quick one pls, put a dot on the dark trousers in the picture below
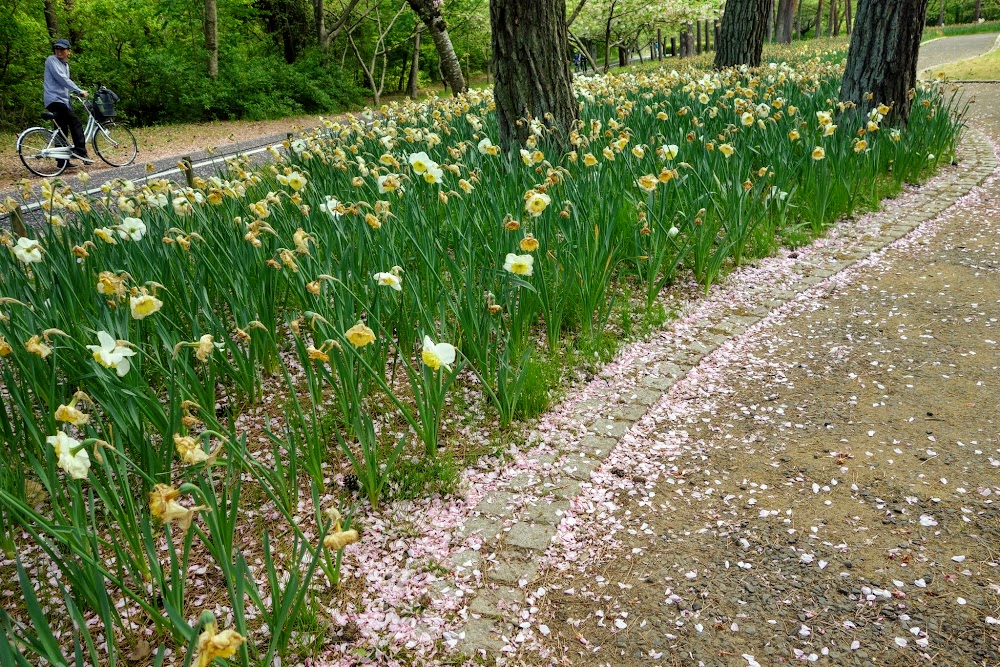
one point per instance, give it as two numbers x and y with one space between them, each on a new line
65 118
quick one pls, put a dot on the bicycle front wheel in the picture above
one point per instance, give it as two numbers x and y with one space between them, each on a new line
116 145
33 147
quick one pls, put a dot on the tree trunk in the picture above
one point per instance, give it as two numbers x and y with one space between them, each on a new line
530 69
429 12
697 47
848 10
799 19
941 15
833 29
882 58
787 19
741 41
212 37
979 10
819 19
770 25
411 85
51 19
659 44
779 21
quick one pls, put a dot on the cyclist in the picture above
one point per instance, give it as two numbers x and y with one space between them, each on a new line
57 87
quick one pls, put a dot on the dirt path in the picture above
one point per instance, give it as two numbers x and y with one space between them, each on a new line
949 49
822 488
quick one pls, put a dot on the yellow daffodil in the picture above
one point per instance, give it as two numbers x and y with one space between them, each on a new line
419 162
521 265
72 457
436 355
828 130
670 151
860 146
5 347
794 135
608 153
589 159
191 451
647 182
360 335
747 119
726 150
301 239
818 153
338 540
71 414
639 152
213 644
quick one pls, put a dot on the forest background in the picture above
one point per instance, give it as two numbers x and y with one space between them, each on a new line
276 58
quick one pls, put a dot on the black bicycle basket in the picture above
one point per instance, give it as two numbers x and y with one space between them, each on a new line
104 103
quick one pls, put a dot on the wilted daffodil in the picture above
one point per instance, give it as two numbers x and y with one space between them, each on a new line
112 353
191 452
521 265
213 644
392 278
436 355
28 250
71 414
359 335
5 347
337 538
36 346
330 206
163 505
72 457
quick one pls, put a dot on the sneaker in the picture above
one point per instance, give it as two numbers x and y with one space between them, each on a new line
82 157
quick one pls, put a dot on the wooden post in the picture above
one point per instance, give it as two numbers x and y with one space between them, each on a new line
17 223
188 170
697 47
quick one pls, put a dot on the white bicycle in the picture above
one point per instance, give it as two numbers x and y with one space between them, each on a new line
47 152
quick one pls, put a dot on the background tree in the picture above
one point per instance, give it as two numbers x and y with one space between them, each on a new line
741 38
212 37
531 68
882 58
429 12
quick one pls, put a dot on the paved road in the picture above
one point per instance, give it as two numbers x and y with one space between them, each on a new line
949 49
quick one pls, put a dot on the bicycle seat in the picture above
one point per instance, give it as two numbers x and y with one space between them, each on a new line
48 115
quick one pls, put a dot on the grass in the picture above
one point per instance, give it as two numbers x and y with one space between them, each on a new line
982 68
963 29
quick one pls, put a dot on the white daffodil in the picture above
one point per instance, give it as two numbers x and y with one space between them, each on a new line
433 174
436 355
389 280
144 305
72 457
330 207
111 354
420 162
521 265
28 250
132 228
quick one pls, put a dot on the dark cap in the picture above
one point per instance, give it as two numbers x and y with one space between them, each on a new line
61 44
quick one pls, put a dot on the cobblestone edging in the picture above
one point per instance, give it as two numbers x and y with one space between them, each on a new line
515 535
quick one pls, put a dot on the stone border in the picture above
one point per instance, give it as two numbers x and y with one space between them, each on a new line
516 534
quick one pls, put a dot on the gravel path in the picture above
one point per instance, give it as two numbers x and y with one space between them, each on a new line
822 488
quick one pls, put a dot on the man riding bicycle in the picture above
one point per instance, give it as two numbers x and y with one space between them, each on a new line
57 87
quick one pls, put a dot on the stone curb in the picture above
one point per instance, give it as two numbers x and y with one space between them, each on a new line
516 535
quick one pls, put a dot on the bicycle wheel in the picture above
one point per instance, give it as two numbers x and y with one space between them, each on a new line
115 144
31 147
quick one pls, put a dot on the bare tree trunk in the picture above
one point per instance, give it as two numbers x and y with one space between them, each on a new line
742 38
411 85
51 19
429 12
787 21
819 19
799 19
697 47
212 37
832 28
530 68
941 15
848 10
882 59
770 26
659 44
979 10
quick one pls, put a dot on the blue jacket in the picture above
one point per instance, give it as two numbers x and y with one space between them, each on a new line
57 83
